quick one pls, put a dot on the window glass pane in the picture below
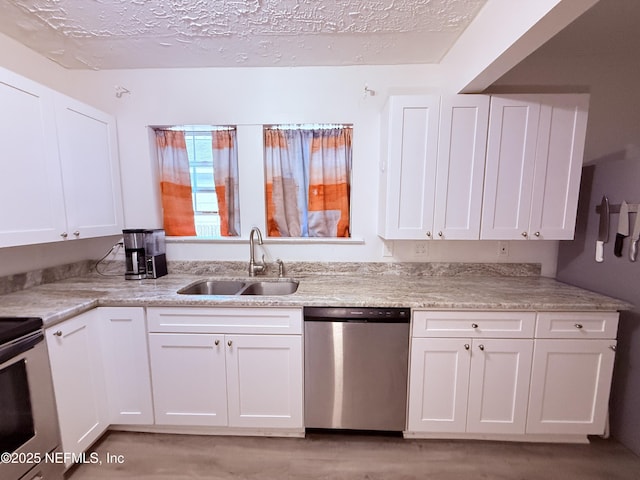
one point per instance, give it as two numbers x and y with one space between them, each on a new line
206 202
202 177
202 148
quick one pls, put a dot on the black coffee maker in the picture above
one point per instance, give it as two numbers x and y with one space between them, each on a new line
135 254
145 253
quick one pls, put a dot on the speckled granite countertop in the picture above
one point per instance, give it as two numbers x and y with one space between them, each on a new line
63 299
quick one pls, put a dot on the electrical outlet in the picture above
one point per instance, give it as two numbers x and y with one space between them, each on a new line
419 249
503 249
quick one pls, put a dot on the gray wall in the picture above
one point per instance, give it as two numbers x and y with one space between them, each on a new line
619 180
602 59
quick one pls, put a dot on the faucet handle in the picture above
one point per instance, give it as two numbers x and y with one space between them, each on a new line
280 267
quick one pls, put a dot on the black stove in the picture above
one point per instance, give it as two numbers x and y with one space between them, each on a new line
16 327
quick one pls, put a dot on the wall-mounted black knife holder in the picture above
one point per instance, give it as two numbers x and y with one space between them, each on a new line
615 208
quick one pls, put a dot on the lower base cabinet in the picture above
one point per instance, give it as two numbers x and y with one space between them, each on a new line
189 379
123 339
469 385
549 373
226 379
78 381
570 384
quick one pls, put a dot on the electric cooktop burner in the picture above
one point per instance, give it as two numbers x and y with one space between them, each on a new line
15 327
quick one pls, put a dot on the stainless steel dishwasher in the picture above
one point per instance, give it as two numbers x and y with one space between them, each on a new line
356 367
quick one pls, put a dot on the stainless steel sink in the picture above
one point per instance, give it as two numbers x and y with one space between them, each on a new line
239 287
213 287
270 288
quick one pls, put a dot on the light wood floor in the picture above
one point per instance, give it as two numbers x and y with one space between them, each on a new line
327 456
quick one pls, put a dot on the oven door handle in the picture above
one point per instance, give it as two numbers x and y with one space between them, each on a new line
20 345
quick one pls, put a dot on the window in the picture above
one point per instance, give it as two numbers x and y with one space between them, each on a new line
308 180
203 187
199 180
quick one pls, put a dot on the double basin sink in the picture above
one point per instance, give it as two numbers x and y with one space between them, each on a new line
240 287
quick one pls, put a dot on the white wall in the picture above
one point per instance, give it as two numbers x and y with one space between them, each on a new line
250 97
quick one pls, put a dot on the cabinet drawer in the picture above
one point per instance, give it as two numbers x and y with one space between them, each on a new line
577 325
473 324
225 320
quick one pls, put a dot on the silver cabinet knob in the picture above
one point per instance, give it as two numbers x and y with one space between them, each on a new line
578 325
216 343
428 234
613 347
525 234
229 343
481 347
474 325
467 346
58 333
537 234
440 234
64 234
76 233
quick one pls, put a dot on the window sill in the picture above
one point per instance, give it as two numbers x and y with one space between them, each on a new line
270 240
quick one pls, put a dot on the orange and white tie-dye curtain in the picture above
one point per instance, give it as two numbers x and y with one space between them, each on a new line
225 173
175 184
308 182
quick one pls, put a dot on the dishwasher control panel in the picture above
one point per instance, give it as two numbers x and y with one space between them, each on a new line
362 314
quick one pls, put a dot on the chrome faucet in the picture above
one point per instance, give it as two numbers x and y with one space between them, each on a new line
255 267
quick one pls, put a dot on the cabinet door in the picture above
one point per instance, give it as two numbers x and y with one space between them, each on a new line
264 381
558 166
30 183
126 365
511 151
78 381
90 169
460 166
570 384
188 378
499 386
438 385
408 174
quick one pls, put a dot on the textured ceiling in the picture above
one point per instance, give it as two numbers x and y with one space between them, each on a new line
107 34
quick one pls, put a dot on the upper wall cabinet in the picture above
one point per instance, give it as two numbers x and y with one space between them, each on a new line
31 182
432 167
60 174
534 161
90 169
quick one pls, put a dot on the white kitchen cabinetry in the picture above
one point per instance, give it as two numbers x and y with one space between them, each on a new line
31 182
189 379
247 362
432 167
533 166
61 172
572 370
90 169
78 380
466 384
504 375
499 385
264 381
123 338
408 167
460 169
